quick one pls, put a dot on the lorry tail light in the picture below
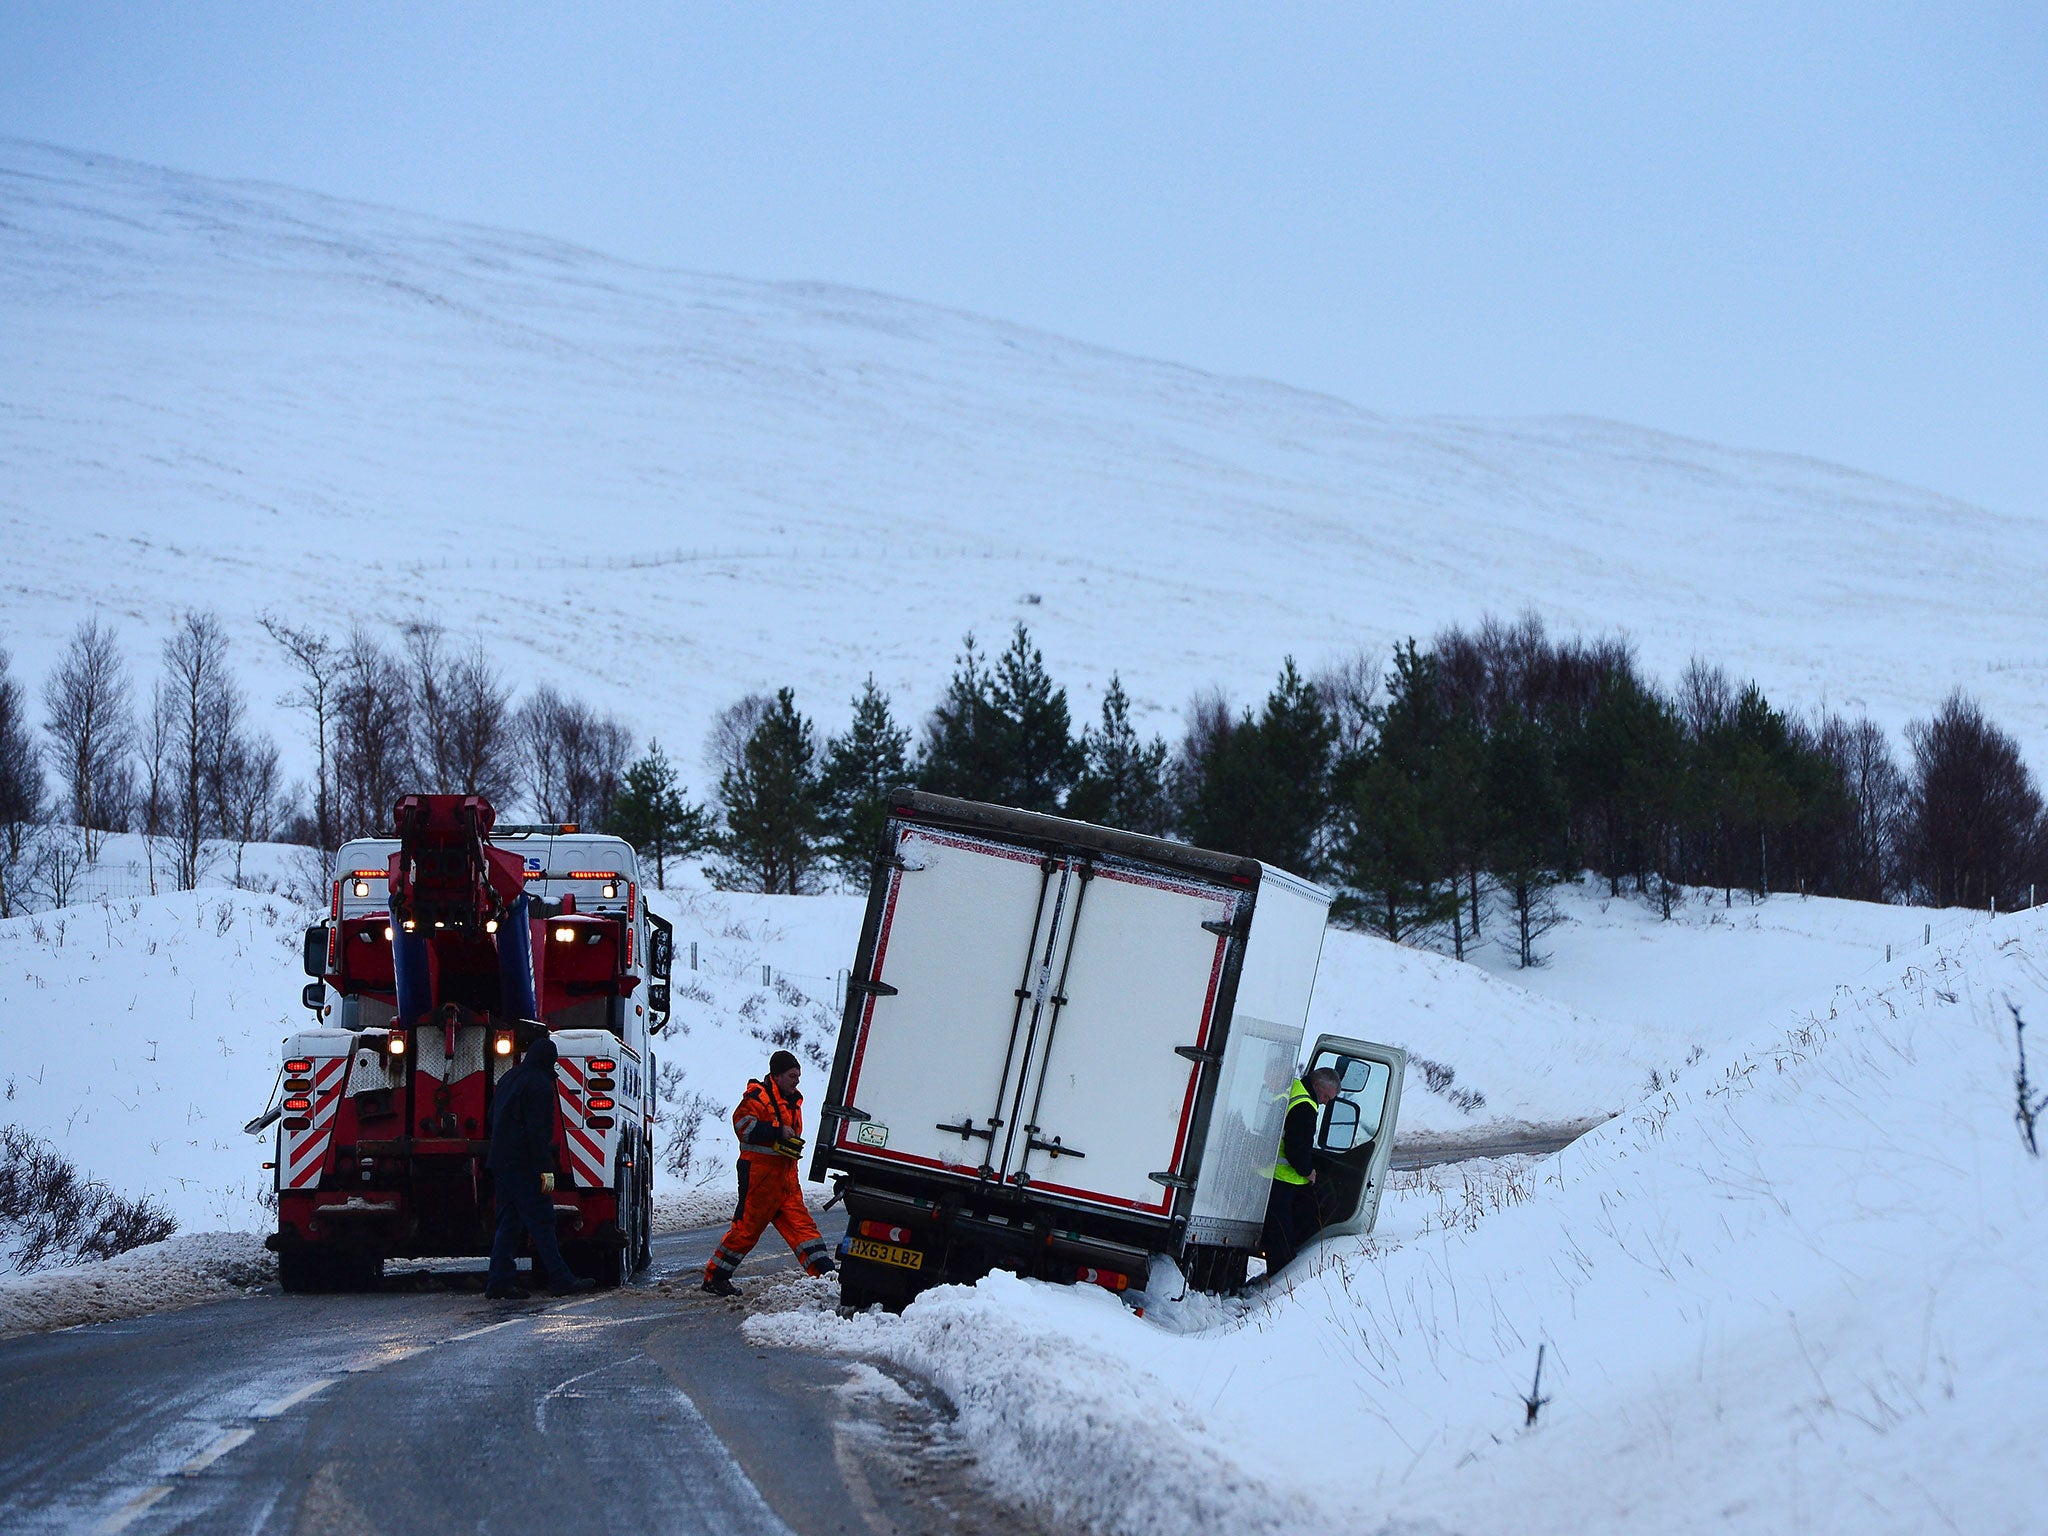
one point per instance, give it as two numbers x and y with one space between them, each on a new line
490 925
565 935
395 1043
882 1232
602 1064
298 1066
387 933
299 1124
600 1101
298 1085
1108 1279
501 1043
298 1106
599 1122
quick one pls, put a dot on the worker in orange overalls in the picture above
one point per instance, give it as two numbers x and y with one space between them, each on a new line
770 1122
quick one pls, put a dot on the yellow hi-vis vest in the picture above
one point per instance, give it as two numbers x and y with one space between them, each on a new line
1297 1093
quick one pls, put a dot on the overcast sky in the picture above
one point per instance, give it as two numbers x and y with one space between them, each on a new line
1814 229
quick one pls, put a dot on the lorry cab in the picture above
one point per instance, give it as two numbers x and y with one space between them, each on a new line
1354 1138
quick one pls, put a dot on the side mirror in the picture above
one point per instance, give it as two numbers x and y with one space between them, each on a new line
315 995
1340 1126
315 958
661 953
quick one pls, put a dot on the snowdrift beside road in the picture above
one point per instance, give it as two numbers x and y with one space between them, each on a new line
178 1272
1793 1290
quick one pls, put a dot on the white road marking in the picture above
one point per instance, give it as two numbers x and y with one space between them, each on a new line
126 1515
215 1451
362 1367
477 1333
293 1398
561 1389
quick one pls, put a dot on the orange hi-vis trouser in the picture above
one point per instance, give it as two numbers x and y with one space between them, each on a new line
770 1195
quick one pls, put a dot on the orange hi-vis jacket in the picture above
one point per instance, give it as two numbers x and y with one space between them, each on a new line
769 1194
767 1115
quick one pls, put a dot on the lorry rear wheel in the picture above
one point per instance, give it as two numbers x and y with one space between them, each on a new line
860 1288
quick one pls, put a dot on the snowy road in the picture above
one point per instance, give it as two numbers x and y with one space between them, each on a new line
435 1410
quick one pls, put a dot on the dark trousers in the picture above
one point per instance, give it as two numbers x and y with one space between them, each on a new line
1292 1218
523 1206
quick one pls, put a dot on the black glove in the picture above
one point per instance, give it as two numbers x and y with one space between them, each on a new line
790 1146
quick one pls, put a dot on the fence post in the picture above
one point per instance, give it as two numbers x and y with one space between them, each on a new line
1887 954
693 954
1927 934
764 976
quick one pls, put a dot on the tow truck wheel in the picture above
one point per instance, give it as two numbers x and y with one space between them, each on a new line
303 1271
643 1254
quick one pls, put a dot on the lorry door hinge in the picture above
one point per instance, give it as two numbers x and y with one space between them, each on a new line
1171 1180
1222 927
1197 1055
872 988
967 1128
844 1112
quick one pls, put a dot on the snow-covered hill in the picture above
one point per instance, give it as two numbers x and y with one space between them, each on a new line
664 489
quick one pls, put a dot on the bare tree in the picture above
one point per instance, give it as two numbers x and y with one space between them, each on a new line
92 723
1349 688
319 663
371 741
480 730
575 759
22 806
202 708
1973 817
1875 792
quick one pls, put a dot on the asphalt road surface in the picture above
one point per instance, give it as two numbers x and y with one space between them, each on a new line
426 1408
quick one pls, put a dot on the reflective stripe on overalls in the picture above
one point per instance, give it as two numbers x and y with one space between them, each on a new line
1297 1093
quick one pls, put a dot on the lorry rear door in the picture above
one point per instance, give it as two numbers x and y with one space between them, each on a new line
964 938
1355 1140
1107 1093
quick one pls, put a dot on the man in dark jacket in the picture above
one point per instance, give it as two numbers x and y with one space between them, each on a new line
1292 1214
522 1151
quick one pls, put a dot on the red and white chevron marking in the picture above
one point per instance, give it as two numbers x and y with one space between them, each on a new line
587 1157
306 1150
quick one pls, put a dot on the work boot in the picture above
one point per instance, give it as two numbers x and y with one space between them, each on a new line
507 1293
574 1287
719 1285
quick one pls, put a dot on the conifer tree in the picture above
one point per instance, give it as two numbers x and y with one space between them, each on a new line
1123 779
1403 807
652 813
861 767
773 809
963 743
1261 787
1001 732
1527 816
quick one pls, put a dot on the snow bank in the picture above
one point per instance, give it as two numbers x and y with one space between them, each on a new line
178 1272
1793 1290
139 1035
1059 1423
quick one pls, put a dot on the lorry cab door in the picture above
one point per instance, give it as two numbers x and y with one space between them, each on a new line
1355 1139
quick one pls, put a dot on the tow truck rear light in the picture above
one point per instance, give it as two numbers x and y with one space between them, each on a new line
298 1085
565 935
602 1064
601 1085
599 1122
882 1232
600 1101
395 1043
298 1065
1108 1279
301 1123
297 1106
501 1043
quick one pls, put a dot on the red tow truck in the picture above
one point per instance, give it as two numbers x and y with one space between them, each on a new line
449 949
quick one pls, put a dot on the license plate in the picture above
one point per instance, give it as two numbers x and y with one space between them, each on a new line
885 1253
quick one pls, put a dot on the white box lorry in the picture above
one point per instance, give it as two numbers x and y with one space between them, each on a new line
1067 1049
